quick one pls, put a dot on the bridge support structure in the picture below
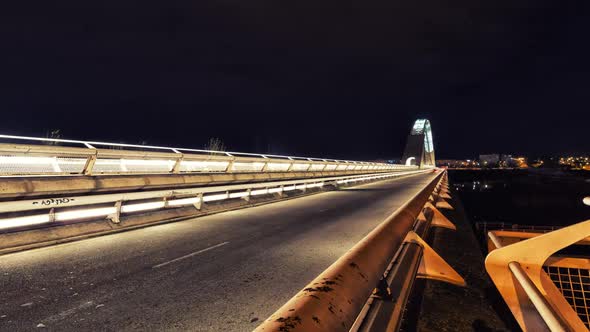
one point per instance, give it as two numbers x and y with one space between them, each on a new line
419 149
543 290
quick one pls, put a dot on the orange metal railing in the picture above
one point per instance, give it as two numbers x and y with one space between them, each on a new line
545 290
380 267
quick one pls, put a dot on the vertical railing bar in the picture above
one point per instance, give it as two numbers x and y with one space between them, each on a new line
538 300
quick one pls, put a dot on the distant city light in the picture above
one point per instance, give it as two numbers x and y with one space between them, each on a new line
506 161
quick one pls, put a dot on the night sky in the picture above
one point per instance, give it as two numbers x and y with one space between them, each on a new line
325 78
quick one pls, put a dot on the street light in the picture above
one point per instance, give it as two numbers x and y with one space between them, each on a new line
587 200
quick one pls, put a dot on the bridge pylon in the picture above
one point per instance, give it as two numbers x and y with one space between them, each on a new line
419 149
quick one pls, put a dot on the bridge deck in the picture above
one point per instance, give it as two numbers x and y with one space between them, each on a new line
222 272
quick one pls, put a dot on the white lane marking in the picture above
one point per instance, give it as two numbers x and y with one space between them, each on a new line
189 255
72 311
64 314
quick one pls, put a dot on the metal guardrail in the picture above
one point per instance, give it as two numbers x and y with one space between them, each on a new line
46 156
485 226
64 209
545 292
483 229
338 296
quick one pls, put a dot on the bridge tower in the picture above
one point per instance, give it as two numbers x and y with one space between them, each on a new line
420 146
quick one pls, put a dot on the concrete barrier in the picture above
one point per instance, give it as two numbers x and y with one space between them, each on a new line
21 187
42 237
333 300
57 231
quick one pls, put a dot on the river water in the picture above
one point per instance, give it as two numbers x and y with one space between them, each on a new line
524 197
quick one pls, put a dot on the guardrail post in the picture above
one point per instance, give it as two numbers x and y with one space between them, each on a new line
282 192
442 204
199 203
116 217
177 164
229 167
52 215
432 266
90 161
249 196
439 219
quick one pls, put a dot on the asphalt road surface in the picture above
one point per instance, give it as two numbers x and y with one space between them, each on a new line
224 272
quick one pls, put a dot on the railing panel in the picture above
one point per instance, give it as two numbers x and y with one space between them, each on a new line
203 166
51 157
317 167
278 167
299 167
574 284
330 167
132 166
40 165
247 167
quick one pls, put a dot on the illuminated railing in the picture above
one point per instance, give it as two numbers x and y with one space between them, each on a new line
24 214
42 156
545 291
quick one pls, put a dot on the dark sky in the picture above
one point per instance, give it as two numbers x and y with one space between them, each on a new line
308 77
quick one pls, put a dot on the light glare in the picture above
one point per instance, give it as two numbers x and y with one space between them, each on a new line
211 198
23 221
184 201
86 213
142 207
238 195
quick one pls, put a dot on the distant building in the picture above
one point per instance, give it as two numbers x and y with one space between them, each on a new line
576 163
489 160
506 160
522 162
457 163
451 163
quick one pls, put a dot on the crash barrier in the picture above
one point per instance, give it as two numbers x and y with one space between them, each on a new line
367 288
545 288
46 212
45 156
